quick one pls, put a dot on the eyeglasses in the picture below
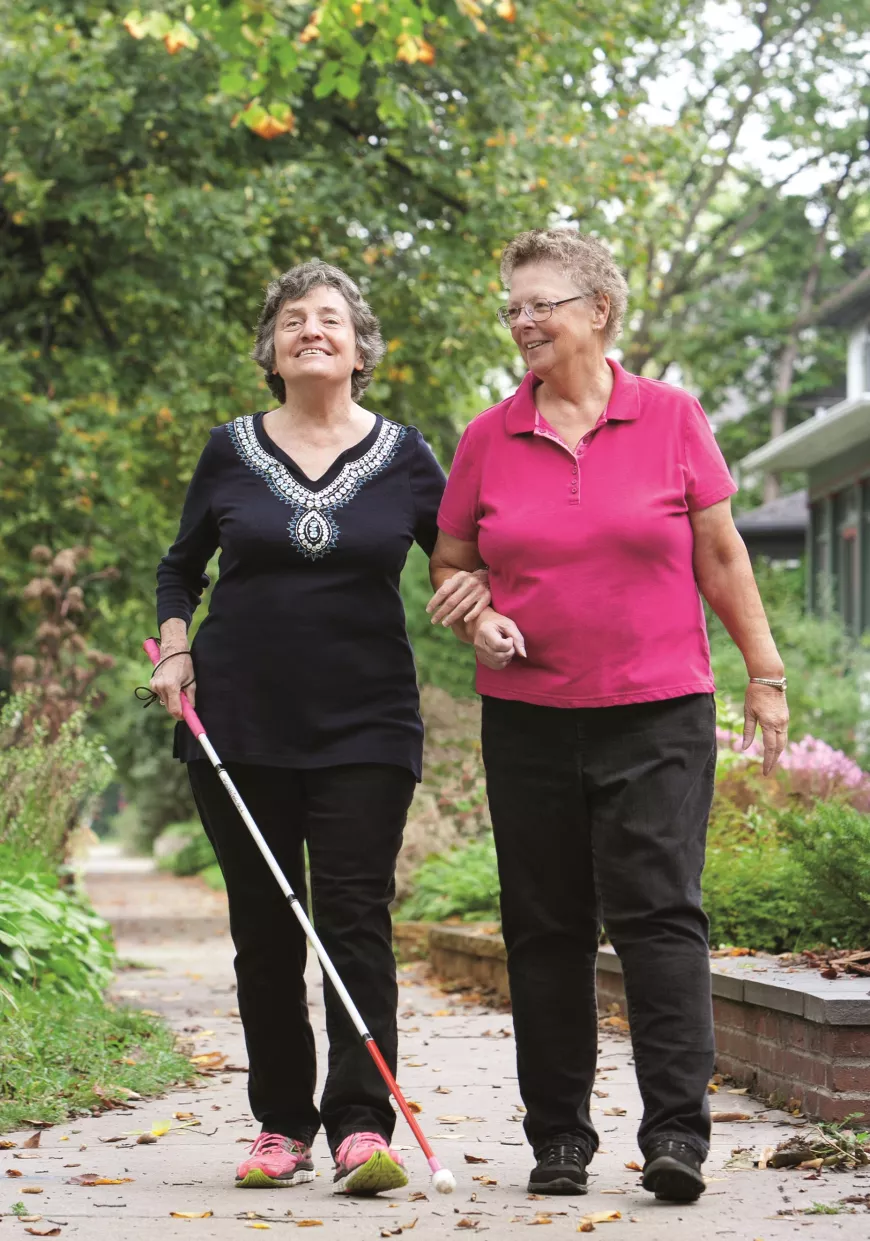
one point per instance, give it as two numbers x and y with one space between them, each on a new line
537 311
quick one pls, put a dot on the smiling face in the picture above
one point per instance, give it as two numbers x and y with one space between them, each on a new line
575 327
315 339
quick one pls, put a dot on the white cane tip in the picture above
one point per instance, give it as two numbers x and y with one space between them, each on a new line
444 1181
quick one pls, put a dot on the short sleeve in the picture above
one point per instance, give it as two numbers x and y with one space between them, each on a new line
707 477
427 488
460 507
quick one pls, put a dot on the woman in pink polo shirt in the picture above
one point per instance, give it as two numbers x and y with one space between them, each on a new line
600 502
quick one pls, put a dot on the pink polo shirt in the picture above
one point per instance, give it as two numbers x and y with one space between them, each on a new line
590 552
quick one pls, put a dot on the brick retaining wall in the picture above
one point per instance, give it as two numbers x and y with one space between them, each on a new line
791 1035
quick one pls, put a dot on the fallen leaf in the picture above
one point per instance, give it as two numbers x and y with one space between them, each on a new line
634 1167
414 1106
452 1120
601 1094
209 1060
30 1219
475 1159
258 1225
726 1116
309 1223
442 1090
161 1127
147 1139
586 1227
184 1116
830 973
602 1217
419 1196
33 1141
43 1232
32 1189
191 1214
14 1172
486 1180
765 1156
91 1178
447 1012
467 1223
741 1090
411 1224
540 1219
6 1145
614 1111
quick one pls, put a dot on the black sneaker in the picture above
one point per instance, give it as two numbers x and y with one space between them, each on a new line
673 1171
561 1168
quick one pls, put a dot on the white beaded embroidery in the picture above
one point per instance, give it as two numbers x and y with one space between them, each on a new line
313 530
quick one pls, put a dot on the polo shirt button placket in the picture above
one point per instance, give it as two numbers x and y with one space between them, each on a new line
574 483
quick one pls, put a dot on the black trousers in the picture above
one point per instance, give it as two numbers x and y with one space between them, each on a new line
601 813
352 818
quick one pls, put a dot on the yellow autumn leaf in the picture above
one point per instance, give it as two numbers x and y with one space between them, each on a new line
160 1127
191 1214
601 1217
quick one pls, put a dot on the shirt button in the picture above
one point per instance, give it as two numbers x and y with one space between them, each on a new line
574 490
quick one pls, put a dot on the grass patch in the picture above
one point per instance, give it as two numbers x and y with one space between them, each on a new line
55 1050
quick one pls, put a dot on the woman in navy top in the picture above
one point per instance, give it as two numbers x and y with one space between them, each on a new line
303 676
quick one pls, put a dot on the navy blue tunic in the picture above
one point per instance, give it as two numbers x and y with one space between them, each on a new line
303 659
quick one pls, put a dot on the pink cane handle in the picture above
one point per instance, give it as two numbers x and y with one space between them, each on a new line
191 719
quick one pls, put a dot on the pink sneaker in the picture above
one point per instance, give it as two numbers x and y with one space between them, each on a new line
275 1161
365 1164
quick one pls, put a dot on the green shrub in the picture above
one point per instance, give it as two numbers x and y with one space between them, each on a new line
193 857
213 877
831 842
462 883
825 664
51 939
46 787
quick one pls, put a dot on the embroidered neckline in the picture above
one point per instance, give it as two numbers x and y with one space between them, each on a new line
313 530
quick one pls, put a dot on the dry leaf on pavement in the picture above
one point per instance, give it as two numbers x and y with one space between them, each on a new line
14 1172
90 1178
309 1223
726 1116
602 1217
419 1196
634 1167
43 1232
414 1106
146 1139
614 1111
475 1159
467 1223
32 1189
33 1140
191 1214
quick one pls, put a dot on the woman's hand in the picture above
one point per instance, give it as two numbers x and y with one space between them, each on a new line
497 640
767 707
170 678
461 597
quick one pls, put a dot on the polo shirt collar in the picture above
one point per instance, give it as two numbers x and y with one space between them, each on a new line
624 404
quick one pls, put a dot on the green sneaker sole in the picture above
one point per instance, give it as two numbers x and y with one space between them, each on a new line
257 1179
380 1173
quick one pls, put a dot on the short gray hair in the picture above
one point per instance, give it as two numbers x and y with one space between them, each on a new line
297 283
587 262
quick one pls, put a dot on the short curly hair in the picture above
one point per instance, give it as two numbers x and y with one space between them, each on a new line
587 262
298 282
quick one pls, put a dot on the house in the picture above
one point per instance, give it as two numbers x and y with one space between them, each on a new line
833 448
778 529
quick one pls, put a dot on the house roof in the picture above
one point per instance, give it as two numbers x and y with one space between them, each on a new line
834 431
787 514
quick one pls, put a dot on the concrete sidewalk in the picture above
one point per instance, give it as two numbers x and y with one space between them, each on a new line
457 1062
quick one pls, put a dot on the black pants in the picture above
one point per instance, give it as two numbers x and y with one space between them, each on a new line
352 818
602 813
